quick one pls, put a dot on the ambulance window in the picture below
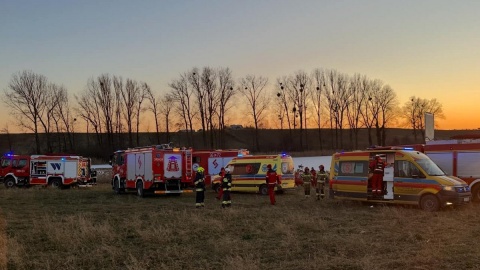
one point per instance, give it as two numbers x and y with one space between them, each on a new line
405 169
250 168
353 168
287 167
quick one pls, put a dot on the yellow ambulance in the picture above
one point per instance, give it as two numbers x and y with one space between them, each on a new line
248 173
410 177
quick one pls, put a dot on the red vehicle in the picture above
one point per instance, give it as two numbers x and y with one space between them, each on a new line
213 160
57 171
159 169
87 175
457 157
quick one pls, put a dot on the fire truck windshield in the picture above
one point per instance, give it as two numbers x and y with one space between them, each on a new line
6 162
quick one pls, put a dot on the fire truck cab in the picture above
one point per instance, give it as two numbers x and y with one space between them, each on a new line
159 169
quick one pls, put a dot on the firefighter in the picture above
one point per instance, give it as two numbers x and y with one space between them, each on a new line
322 178
220 190
200 188
377 168
314 178
307 178
272 180
227 186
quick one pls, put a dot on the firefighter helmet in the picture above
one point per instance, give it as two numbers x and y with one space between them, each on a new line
321 167
200 169
227 169
269 166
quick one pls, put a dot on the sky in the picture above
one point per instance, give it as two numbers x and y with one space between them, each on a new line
423 48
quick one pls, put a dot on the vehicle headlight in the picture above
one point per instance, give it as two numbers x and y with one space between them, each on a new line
449 188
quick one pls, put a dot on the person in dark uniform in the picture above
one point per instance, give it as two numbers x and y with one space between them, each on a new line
226 187
306 177
322 178
200 188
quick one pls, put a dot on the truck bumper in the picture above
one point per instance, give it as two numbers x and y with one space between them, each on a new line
454 198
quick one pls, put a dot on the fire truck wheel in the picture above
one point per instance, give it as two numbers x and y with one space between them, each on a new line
140 191
116 187
9 182
56 183
429 203
263 190
476 193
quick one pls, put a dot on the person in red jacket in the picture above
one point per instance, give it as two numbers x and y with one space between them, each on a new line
220 190
377 168
272 180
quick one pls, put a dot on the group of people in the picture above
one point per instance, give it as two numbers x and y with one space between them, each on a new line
224 192
314 180
310 179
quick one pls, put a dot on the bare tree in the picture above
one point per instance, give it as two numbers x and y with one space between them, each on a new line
89 109
63 120
367 110
298 87
414 113
166 106
210 87
141 95
318 101
27 96
226 92
154 108
195 80
182 94
338 98
358 97
252 88
119 109
387 110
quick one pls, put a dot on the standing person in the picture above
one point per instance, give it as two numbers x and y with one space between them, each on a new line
272 180
314 178
220 190
200 188
226 186
377 168
322 178
306 177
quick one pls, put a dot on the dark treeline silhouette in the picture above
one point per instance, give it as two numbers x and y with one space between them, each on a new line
271 140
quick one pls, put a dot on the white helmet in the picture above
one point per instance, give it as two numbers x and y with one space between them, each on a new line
227 169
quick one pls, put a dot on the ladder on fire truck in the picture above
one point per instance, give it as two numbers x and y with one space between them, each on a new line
188 163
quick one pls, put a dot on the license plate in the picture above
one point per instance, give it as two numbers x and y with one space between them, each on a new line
466 199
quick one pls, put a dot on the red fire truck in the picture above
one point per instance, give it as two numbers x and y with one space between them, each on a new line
213 160
43 170
159 169
457 157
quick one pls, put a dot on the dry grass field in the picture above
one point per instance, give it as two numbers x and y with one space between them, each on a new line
91 228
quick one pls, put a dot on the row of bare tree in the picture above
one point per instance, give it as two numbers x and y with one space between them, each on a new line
207 99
